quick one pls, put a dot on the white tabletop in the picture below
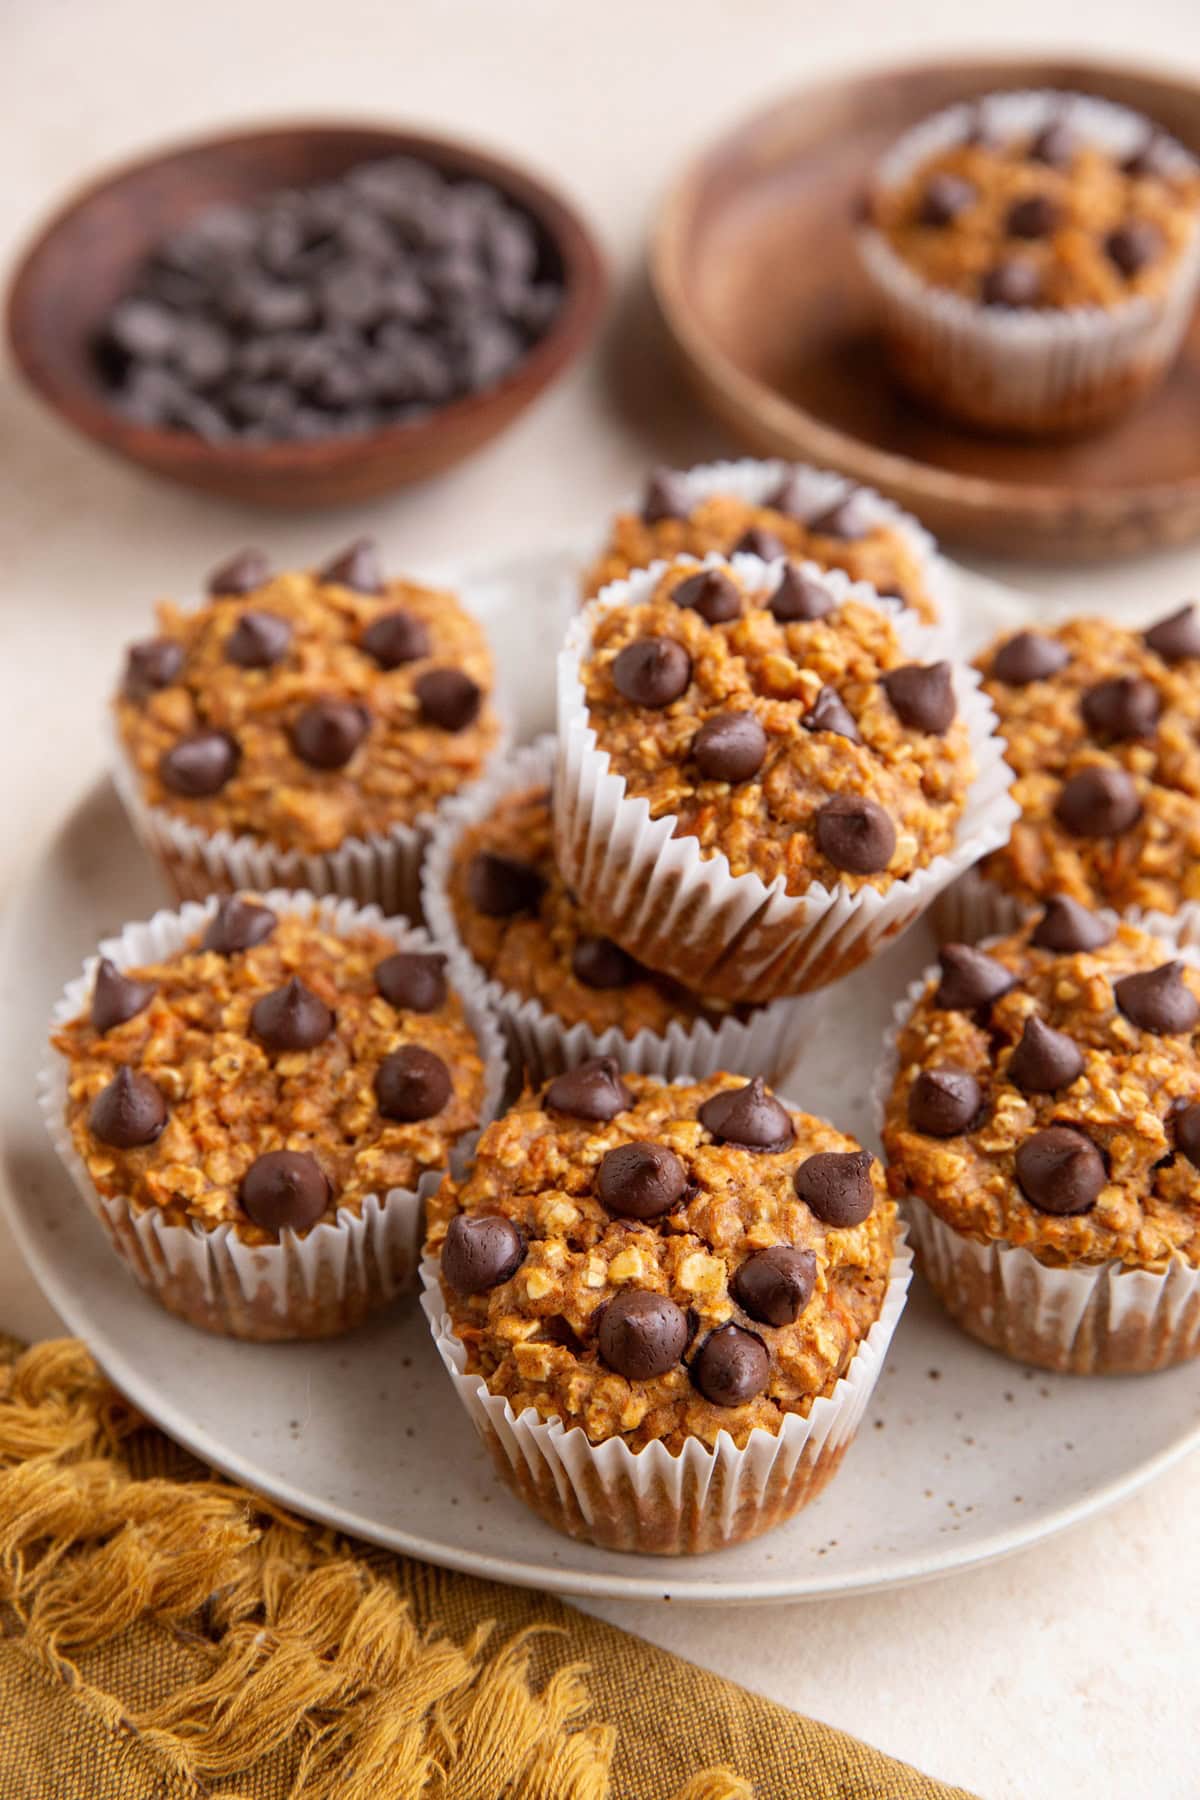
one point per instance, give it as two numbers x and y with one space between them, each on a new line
1068 1669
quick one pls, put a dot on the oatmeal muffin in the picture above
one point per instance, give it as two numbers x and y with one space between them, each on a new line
303 727
1056 235
668 1269
255 1094
775 509
1042 1124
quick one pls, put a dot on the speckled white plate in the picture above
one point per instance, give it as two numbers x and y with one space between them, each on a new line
964 1457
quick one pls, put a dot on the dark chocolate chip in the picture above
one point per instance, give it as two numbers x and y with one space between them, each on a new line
749 1117
594 1090
1134 246
731 1366
327 733
799 598
258 640
357 567
1149 158
855 834
1055 145
1158 1000
641 1181
448 698
761 543
395 638
793 496
291 1017
1060 1171
846 518
237 925
829 713
945 197
1034 216
1186 1123
970 979
1029 656
730 747
642 1334
199 766
599 963
774 1286
500 886
652 671
1098 802
248 570
922 695
1045 1060
117 997
835 1185
1066 926
1177 637
666 496
1128 706
411 1084
945 1102
712 593
151 665
1012 283
481 1251
129 1112
412 980
284 1190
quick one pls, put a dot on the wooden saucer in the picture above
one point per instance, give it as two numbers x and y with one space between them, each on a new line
754 266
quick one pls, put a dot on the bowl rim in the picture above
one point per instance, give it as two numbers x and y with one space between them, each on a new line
83 404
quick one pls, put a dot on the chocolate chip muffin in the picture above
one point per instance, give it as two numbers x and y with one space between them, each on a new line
271 1089
308 722
663 1267
1043 1124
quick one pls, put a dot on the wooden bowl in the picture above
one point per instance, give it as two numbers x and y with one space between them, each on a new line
754 266
84 258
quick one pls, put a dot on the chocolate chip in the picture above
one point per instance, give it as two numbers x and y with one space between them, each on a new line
411 1084
761 543
922 695
642 1334
1029 656
413 981
150 665
248 570
828 713
945 197
855 834
237 925
1149 158
327 733
594 1090
1045 1060
199 766
357 567
652 671
846 518
1187 1132
1034 216
666 496
774 1286
1060 1171
730 747
1177 637
395 638
711 593
1098 802
129 1112
284 1190
1128 706
1013 283
1066 926
599 963
448 698
117 997
836 1187
291 1017
641 1181
749 1117
500 886
1134 246
793 496
970 979
480 1252
1055 145
944 1102
258 640
1158 1000
799 598
731 1366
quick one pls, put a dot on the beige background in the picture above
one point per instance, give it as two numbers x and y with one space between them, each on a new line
1071 1669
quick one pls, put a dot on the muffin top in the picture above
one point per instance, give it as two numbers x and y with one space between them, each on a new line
849 534
784 729
307 708
1043 219
657 1262
269 1034
1047 1093
1101 725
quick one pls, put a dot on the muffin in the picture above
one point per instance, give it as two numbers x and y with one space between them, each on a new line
763 774
492 891
1041 1125
777 509
255 1095
1035 257
1101 724
664 1306
301 729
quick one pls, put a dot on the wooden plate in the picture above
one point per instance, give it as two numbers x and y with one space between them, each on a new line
754 267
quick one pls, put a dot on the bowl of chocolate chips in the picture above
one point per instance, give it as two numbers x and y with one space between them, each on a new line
304 315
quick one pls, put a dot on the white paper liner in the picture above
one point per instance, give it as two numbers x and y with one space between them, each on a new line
1026 368
311 1286
1101 1320
974 907
758 1045
650 1500
685 914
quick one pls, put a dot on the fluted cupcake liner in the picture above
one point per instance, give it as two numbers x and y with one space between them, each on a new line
976 907
756 1045
1098 1319
315 1285
651 1500
1025 368
686 914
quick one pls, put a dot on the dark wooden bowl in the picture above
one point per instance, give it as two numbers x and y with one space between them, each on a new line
754 267
83 259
